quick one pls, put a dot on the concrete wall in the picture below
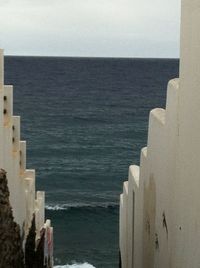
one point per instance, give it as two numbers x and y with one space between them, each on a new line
163 217
25 202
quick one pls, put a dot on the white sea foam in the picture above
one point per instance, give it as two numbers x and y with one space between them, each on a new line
80 205
55 207
76 265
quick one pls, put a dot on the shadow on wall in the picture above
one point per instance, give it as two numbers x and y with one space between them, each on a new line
150 237
11 250
11 253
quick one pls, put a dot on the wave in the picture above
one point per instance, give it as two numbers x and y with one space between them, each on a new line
89 206
76 265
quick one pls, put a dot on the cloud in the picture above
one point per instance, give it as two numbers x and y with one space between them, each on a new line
89 27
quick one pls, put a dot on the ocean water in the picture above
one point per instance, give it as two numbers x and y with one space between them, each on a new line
85 121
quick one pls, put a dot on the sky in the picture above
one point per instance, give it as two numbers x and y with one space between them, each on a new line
94 28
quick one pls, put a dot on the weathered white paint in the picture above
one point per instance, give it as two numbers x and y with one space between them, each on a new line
48 244
1 104
1 70
22 155
165 231
123 226
21 181
39 211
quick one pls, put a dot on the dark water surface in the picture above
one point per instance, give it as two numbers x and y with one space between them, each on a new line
85 121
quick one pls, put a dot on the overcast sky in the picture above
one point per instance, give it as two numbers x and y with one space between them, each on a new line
114 28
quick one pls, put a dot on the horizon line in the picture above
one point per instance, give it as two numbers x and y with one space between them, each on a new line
95 57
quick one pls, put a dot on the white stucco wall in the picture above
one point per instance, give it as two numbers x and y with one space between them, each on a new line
21 181
123 226
166 228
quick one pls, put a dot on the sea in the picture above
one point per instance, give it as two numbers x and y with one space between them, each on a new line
85 121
